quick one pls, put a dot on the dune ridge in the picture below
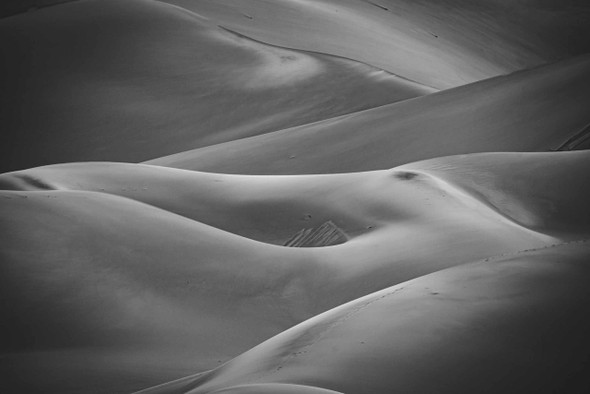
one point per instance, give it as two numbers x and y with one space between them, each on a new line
132 80
441 44
210 281
531 110
273 208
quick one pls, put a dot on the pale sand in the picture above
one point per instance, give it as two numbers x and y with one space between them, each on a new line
142 283
515 324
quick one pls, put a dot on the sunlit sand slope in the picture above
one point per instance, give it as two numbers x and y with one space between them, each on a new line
137 79
513 324
148 293
106 292
273 208
534 110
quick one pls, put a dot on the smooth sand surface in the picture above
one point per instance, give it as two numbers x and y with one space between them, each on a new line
133 80
273 208
437 43
138 280
145 292
514 324
533 110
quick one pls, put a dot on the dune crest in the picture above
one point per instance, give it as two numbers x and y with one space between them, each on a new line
169 275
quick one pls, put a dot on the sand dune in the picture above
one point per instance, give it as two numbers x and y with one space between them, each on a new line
313 215
146 285
132 292
533 110
436 43
274 208
502 180
165 78
132 80
512 325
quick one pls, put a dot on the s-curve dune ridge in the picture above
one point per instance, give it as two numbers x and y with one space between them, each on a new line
115 258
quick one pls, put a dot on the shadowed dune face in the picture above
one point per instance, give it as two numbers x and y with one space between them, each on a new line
135 80
132 80
13 7
437 43
533 110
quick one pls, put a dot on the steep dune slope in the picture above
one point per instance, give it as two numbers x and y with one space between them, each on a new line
533 110
438 43
137 79
512 325
133 289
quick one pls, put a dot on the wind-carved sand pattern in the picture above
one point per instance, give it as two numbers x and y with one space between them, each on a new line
327 234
